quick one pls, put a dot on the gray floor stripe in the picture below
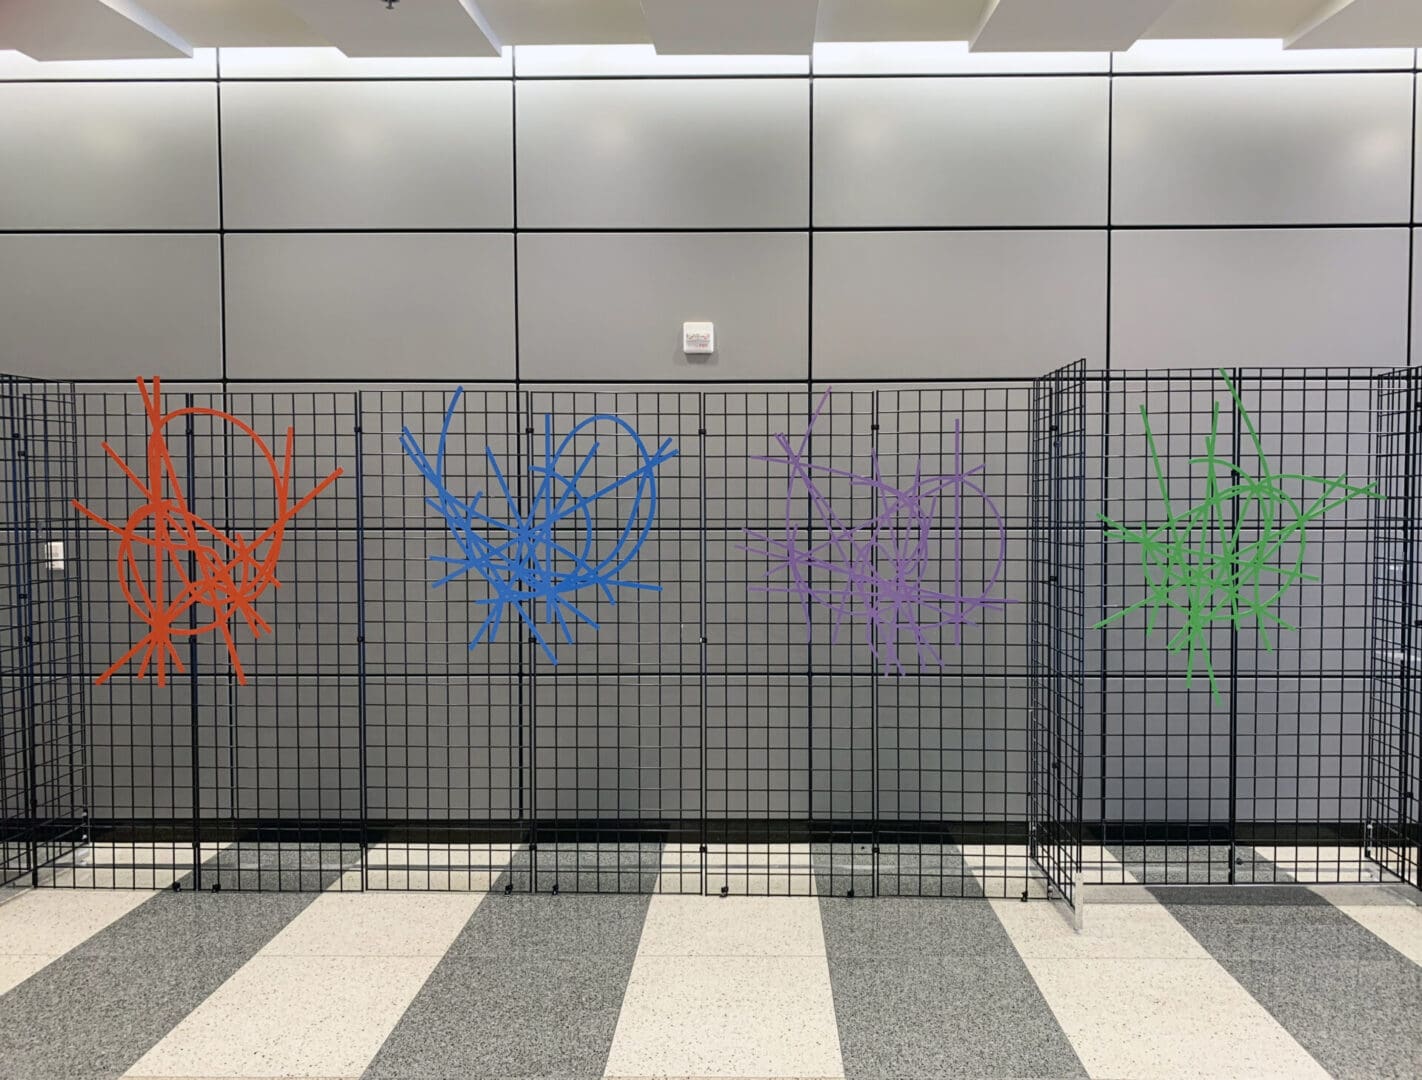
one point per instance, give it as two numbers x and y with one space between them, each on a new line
934 988
99 1008
1349 999
531 987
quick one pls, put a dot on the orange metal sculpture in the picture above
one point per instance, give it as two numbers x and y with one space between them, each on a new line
191 563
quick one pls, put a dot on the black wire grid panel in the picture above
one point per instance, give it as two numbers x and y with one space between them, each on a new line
1248 669
42 749
700 739
1058 592
1394 733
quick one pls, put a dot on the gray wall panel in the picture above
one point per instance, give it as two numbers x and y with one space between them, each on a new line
364 306
108 156
951 304
96 306
612 306
724 153
368 155
924 152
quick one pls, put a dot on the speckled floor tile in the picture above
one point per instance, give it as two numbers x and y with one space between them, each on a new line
888 927
376 924
734 926
505 1016
201 924
283 1016
1389 913
1268 920
551 927
96 1010
530 987
53 921
16 969
925 988
946 1016
1343 993
1163 1019
727 1016
1140 931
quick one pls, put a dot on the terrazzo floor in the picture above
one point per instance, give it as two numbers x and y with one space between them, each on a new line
1163 982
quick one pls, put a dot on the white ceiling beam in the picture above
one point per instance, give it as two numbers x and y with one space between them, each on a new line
87 30
741 27
1064 25
567 22
1359 24
897 20
235 24
405 28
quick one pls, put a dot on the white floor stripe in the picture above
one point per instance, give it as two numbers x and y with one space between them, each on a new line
322 996
737 988
1140 999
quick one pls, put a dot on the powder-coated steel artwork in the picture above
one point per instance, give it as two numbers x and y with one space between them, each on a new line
546 549
880 571
181 574
1231 557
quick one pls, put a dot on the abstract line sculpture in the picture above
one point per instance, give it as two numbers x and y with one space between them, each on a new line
173 563
1232 556
877 571
545 550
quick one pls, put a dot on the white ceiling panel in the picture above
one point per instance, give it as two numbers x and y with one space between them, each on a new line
898 20
1359 24
405 28
1051 25
235 24
746 27
1229 19
566 22
87 30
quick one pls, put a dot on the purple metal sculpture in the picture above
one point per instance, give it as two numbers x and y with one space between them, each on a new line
876 571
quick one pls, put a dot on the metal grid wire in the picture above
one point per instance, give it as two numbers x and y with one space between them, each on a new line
216 780
1394 735
701 739
1259 779
1059 601
42 736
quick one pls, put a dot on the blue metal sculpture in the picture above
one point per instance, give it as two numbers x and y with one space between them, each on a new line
545 550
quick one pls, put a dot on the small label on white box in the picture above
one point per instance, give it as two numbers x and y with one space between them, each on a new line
54 555
698 338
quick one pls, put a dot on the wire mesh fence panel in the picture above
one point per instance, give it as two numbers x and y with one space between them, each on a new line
447 729
1234 526
1057 636
952 721
1394 735
43 789
809 641
613 508
758 649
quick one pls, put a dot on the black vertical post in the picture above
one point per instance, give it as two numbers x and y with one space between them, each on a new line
194 755
24 574
361 696
873 701
1236 442
703 831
